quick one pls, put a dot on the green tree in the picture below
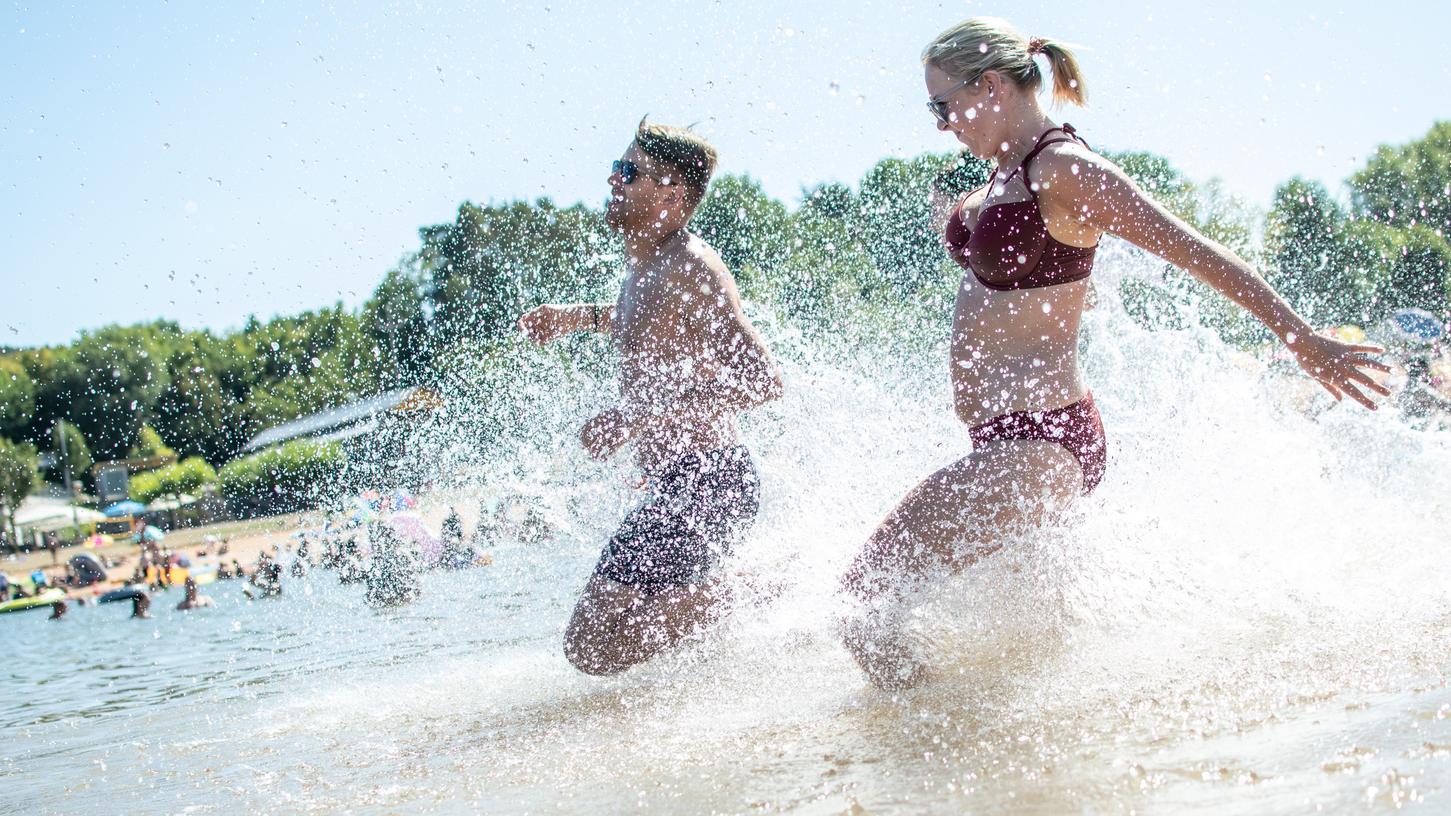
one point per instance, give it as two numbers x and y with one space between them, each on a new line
183 478
832 200
825 273
59 382
893 221
289 477
1403 198
304 364
19 475
77 453
17 397
201 411
396 320
148 445
1397 267
1305 235
480 273
116 377
746 226
1408 185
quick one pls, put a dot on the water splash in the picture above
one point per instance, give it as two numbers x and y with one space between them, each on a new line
1249 612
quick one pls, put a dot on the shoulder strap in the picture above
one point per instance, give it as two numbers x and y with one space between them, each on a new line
1038 145
1071 135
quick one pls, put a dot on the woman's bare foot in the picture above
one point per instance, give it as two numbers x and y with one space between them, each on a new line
883 653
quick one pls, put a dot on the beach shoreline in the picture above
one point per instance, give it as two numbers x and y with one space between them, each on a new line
246 540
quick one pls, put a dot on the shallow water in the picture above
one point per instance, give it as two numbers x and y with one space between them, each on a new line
1249 616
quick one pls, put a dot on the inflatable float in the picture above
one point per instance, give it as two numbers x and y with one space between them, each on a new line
45 598
124 593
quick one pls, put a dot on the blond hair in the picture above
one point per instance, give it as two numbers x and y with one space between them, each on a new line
682 149
973 47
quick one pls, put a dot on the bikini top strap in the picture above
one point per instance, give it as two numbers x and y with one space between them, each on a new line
1071 136
1037 146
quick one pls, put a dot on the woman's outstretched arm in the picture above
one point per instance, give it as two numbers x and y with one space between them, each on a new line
1098 194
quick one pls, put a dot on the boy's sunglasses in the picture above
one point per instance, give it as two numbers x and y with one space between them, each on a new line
628 171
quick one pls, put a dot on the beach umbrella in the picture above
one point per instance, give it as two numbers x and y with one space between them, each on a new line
88 568
1415 325
412 528
153 534
124 508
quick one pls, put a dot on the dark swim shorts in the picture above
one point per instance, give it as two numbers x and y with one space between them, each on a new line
699 503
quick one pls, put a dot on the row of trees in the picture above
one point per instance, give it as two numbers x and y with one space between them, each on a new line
206 394
1387 250
862 257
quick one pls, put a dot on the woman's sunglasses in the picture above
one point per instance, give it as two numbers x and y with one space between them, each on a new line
938 104
628 171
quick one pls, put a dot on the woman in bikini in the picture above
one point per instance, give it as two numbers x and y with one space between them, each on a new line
1026 241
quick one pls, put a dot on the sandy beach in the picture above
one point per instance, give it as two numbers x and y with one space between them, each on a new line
245 541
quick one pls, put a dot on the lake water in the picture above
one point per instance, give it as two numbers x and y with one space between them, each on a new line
1249 616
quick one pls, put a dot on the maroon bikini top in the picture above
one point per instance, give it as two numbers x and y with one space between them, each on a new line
1011 247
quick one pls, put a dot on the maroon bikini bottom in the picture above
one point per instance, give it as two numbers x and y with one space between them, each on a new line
1076 427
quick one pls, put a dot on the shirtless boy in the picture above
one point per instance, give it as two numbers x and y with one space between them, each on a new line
690 363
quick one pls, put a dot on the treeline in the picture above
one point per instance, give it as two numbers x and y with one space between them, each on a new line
868 255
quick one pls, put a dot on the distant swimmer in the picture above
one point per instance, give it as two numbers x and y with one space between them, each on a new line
58 610
192 599
266 580
140 605
1026 241
690 363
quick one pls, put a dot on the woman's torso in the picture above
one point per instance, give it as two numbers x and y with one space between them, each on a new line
1016 349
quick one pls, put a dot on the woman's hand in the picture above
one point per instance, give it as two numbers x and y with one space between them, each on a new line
1339 366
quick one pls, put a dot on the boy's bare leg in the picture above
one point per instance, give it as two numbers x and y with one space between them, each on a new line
616 626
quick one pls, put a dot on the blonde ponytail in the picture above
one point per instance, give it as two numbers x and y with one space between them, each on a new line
1067 76
973 47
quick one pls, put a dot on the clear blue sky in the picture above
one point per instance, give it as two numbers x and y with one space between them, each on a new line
202 162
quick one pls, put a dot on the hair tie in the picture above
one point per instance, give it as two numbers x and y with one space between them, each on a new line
1036 44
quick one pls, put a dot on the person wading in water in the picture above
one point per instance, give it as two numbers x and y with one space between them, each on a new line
1026 241
690 362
